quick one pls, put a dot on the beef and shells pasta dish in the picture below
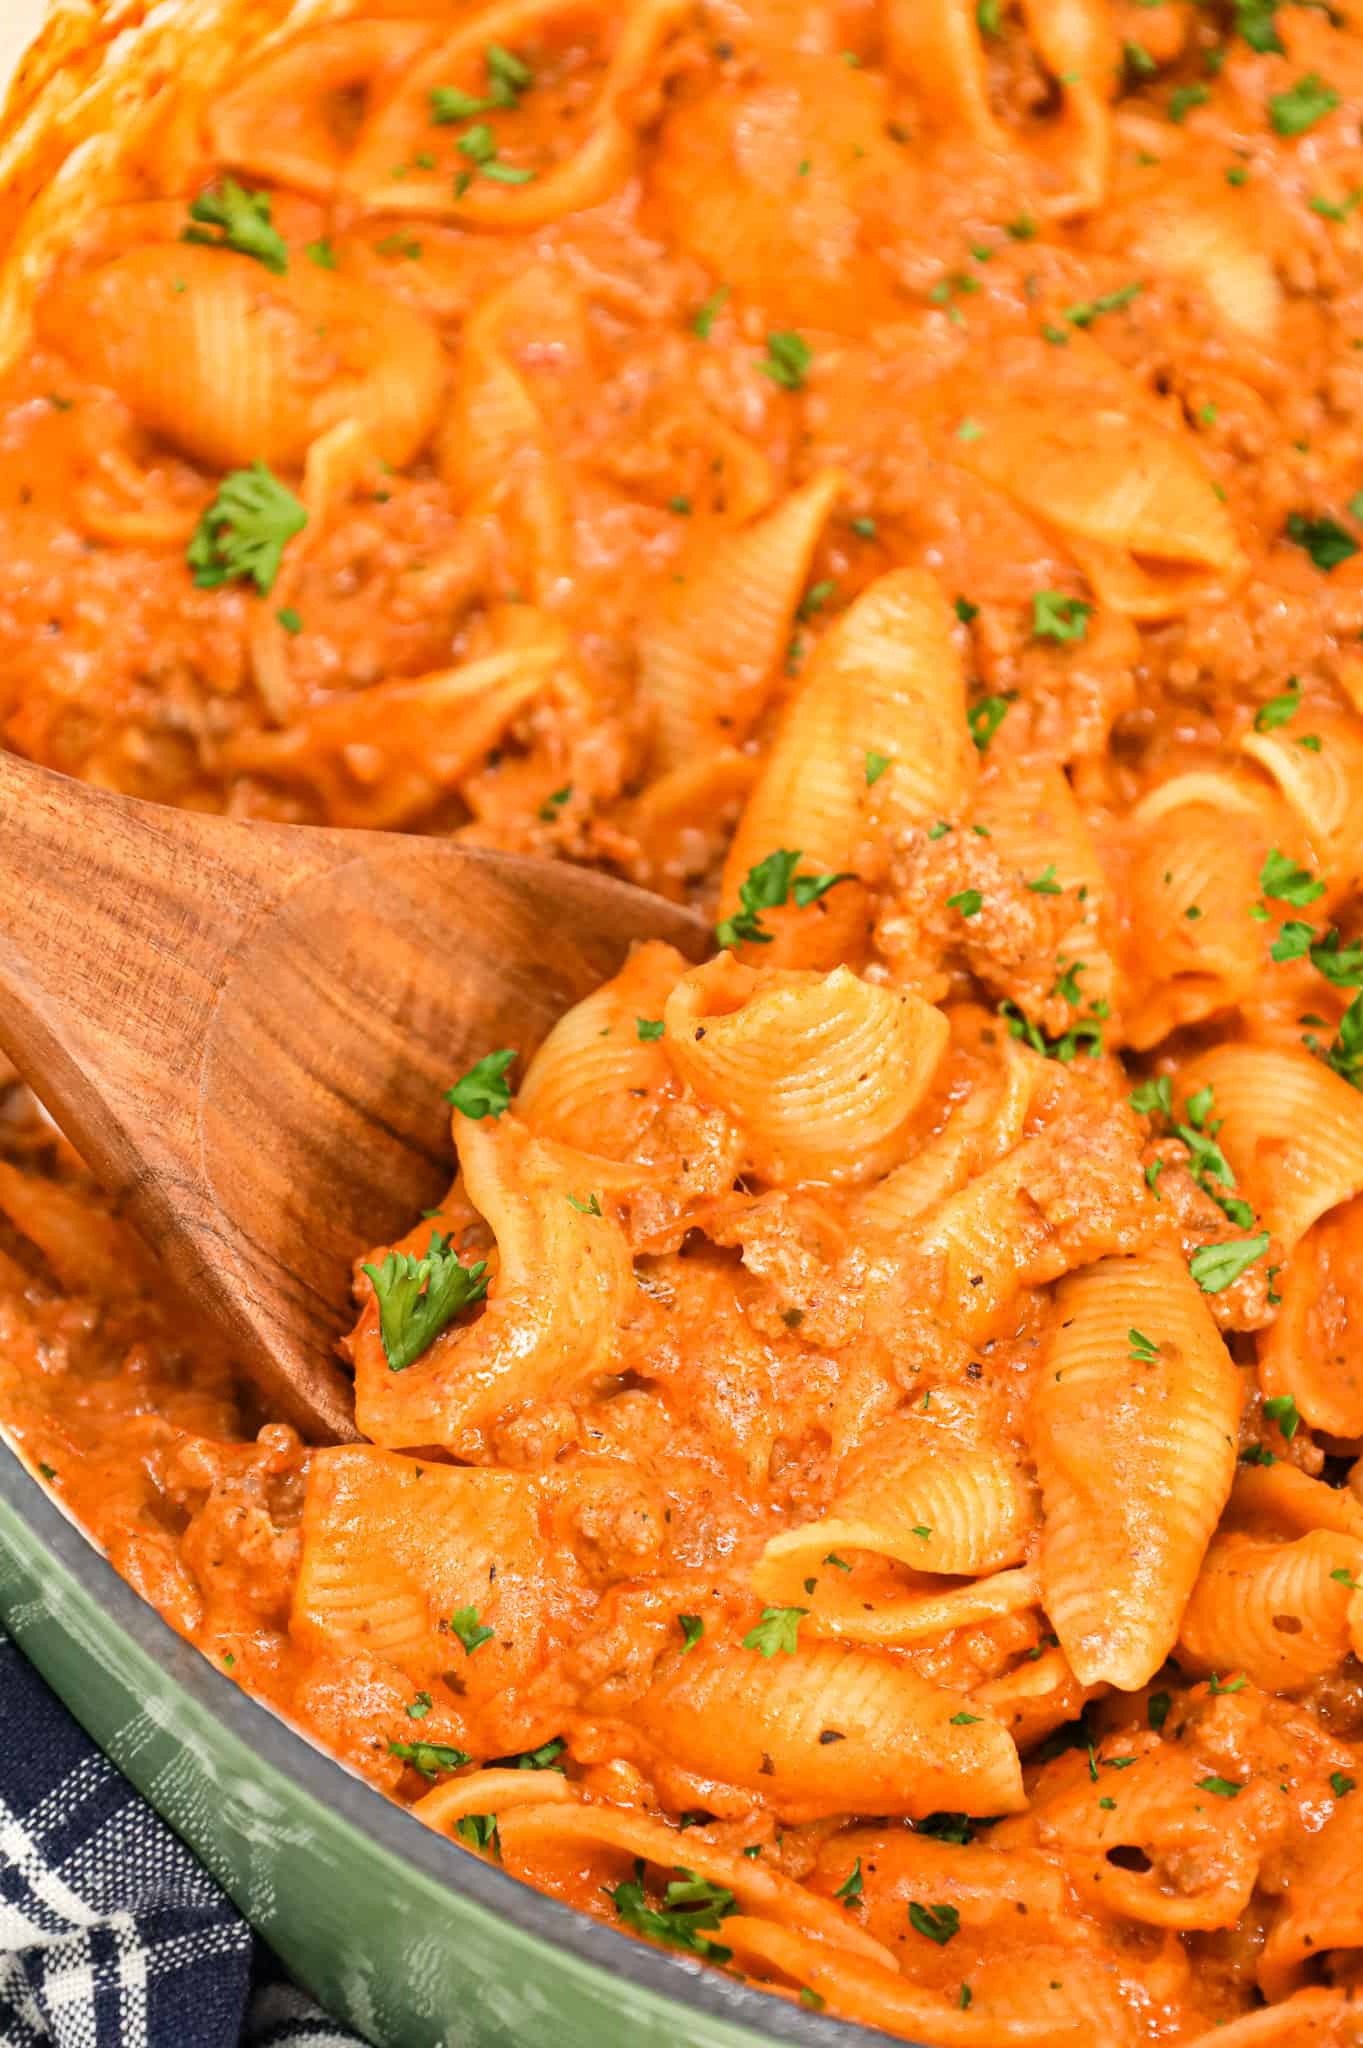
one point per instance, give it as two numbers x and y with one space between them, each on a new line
863 1478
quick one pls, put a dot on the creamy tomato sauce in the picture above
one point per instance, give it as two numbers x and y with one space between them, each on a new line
863 1482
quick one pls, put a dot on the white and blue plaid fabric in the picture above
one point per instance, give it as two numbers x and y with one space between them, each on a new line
111 1934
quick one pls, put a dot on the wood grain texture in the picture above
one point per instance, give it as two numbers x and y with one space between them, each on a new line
246 1031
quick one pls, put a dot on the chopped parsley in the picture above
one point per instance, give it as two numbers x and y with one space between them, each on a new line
417 1297
289 619
1057 617
1254 20
1224 1788
591 1207
648 1028
815 598
1345 1051
968 901
545 1758
985 718
1184 98
1337 209
778 1630
850 1888
787 359
1341 1784
1279 709
1282 1409
1302 105
948 1827
229 217
479 145
1086 311
692 1627
768 885
935 1923
1217 1266
876 764
430 1757
483 1091
507 78
420 1707
1219 1685
1340 963
471 1632
692 1908
479 1830
1143 1349
1324 540
1281 878
1045 883
1157 1709
703 319
243 534
554 803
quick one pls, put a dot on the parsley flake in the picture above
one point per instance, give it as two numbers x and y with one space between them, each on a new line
985 718
430 1757
778 1630
229 217
472 1633
417 1297
1217 1266
1302 105
1057 617
1324 540
1282 879
482 1091
787 359
243 534
692 1907
936 1923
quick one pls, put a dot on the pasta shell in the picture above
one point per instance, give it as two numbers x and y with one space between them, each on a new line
1128 495
594 1081
554 1311
1273 1610
1135 1456
710 652
788 187
289 120
248 366
727 1713
576 159
1322 1910
1312 1351
391 1547
1291 1129
886 681
822 1074
1324 788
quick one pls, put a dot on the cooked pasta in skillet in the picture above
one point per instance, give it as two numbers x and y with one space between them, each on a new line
865 1466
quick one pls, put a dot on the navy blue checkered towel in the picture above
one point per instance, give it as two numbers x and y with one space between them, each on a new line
111 1934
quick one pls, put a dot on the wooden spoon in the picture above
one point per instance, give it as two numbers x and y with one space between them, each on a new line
246 1030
